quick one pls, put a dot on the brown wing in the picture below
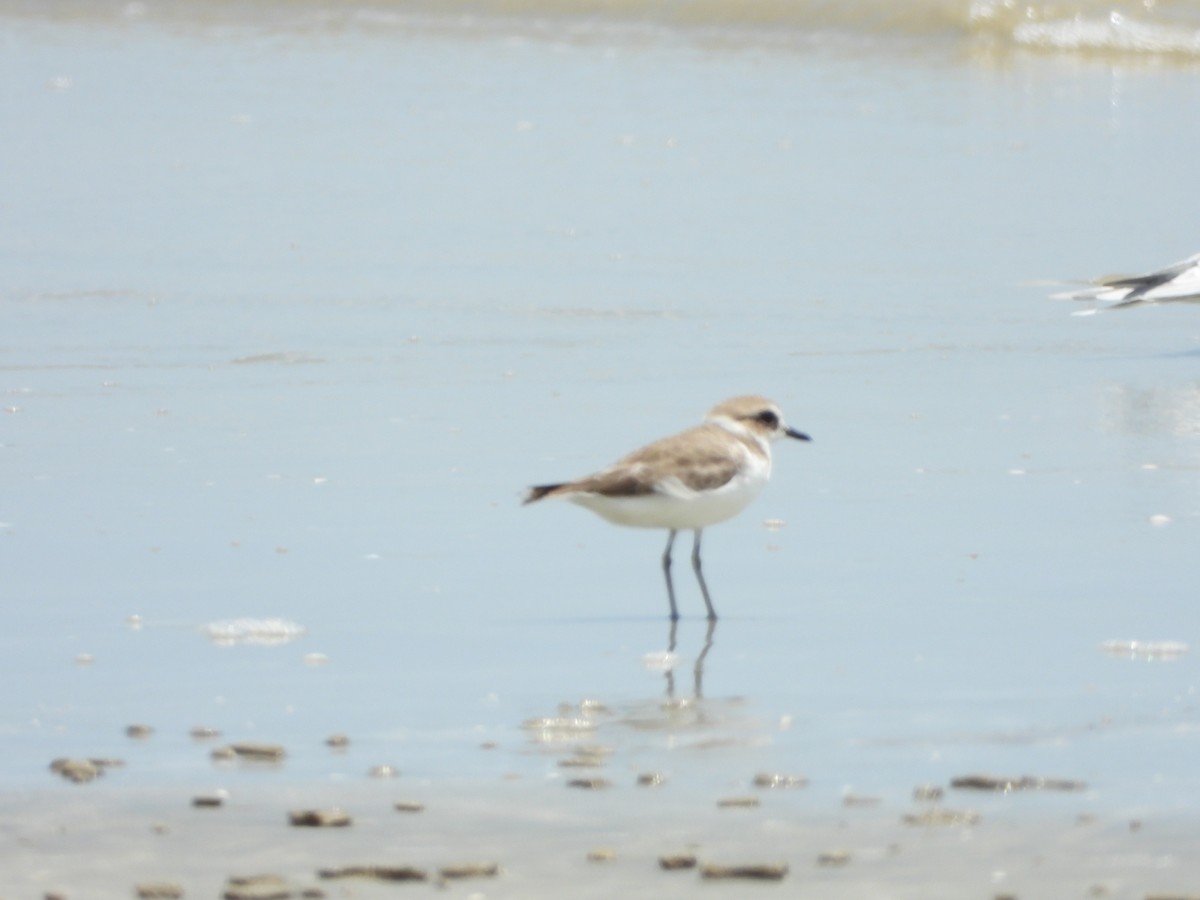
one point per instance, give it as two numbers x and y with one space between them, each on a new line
699 458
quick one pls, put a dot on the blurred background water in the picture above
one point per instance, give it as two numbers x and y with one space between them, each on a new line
298 297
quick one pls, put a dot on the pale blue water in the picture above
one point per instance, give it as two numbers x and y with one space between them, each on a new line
291 319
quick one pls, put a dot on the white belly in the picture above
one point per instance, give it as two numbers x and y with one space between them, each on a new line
675 506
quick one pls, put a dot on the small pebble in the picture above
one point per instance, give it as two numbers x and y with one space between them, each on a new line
738 802
589 784
651 779
601 855
581 762
158 890
677 862
383 771
319 818
337 740
209 801
470 870
407 806
138 732
255 752
1022 783
257 887
76 770
83 770
942 817
382 873
833 858
204 733
756 871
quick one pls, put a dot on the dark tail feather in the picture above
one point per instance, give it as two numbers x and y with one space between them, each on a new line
537 493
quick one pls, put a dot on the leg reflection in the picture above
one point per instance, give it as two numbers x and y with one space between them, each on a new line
697 667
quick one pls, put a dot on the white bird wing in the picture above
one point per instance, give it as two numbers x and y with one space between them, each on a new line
1177 282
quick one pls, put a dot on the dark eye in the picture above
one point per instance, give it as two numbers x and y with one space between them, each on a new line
768 418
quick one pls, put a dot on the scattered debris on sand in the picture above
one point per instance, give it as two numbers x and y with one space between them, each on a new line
927 793
941 816
859 800
777 780
266 632
469 870
158 890
1021 783
83 770
738 802
833 858
1148 650
676 862
320 818
553 729
260 887
754 871
380 873
251 752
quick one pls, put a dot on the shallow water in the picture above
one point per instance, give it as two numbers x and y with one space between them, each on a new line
294 316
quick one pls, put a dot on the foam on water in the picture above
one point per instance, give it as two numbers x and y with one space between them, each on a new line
1120 27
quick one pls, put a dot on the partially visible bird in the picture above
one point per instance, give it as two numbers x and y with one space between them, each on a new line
1178 283
694 479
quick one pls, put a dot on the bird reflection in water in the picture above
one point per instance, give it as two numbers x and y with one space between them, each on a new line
697 667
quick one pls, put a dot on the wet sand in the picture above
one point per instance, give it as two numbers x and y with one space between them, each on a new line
660 797
103 839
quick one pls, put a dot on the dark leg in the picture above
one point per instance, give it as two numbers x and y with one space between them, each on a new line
712 613
666 563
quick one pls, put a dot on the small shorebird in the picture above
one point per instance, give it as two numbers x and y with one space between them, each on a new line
694 479
1175 284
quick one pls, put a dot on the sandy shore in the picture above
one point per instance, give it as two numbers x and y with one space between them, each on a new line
100 840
